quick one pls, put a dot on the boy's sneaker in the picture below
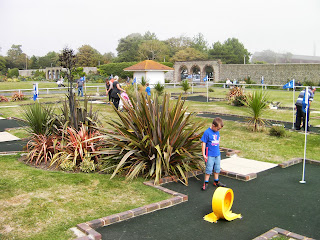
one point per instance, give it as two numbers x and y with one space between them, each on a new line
219 184
205 186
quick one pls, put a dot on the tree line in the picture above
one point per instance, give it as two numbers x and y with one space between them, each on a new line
137 47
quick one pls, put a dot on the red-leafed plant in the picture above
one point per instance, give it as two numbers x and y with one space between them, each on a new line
3 99
78 146
17 96
41 148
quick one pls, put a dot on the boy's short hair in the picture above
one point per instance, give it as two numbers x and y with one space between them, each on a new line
217 122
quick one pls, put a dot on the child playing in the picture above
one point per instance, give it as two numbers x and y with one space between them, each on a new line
211 153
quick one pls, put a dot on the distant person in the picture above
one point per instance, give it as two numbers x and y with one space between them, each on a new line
300 114
262 80
298 83
80 84
108 88
61 82
228 83
58 83
148 90
211 152
111 80
116 90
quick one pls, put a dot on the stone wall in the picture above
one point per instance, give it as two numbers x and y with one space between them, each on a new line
273 73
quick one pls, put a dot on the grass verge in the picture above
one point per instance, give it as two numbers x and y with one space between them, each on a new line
39 204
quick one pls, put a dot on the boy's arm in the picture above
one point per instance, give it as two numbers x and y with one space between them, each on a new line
203 145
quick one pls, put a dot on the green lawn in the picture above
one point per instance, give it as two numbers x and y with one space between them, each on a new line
41 204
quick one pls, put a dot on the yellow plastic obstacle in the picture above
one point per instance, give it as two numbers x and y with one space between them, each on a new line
221 204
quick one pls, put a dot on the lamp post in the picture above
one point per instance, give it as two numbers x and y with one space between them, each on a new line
244 59
26 62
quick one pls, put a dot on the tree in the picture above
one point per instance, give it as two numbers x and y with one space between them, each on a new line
230 52
128 48
177 44
3 64
153 50
87 56
108 58
189 54
16 58
199 43
67 60
34 62
51 59
267 56
150 36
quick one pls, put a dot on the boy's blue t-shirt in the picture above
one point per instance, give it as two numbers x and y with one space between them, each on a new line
212 139
148 90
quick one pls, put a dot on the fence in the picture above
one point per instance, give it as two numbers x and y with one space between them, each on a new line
98 88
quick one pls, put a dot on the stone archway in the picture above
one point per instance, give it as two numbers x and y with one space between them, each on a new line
204 66
53 73
183 70
209 71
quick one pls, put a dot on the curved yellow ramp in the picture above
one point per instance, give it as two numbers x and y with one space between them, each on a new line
222 201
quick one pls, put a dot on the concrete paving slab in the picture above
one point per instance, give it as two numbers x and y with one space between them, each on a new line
9 106
99 102
5 137
245 166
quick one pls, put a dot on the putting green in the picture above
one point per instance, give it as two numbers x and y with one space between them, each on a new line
274 199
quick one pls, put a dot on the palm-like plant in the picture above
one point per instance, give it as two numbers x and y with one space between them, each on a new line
257 104
185 86
159 88
154 139
38 118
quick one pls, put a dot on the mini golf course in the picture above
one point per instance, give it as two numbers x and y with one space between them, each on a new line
11 145
274 199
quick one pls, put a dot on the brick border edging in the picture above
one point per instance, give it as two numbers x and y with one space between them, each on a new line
296 161
279 231
89 227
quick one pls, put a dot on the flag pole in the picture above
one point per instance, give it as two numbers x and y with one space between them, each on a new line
192 84
305 136
293 104
207 89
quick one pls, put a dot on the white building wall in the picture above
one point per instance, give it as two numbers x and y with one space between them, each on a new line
154 77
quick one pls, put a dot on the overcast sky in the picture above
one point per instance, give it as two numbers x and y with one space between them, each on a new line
41 26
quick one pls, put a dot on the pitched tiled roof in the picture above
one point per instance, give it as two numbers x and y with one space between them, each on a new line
148 65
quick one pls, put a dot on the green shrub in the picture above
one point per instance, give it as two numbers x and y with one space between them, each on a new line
87 165
14 72
67 166
239 100
211 89
116 69
257 103
159 88
185 85
143 81
38 118
277 131
164 142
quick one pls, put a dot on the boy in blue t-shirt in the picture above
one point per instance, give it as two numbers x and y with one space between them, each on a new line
148 90
211 153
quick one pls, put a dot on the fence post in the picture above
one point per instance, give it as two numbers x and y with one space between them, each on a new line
47 90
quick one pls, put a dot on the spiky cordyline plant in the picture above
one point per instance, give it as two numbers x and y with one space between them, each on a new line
257 104
38 118
154 139
76 145
185 86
